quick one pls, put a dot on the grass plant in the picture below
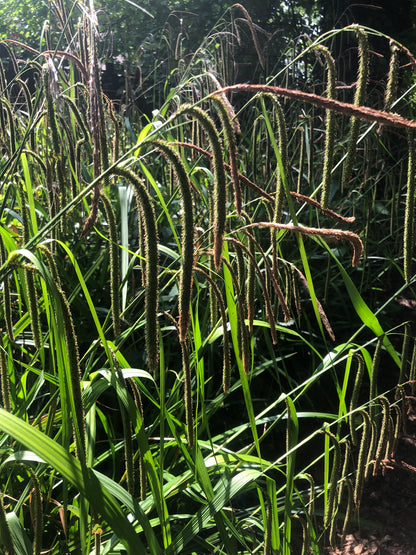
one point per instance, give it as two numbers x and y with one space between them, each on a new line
206 369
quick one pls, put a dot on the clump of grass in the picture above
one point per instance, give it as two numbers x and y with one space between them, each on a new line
195 378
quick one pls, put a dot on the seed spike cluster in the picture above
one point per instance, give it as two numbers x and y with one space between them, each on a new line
4 376
362 457
328 234
359 98
384 433
185 281
355 395
146 208
63 153
329 127
226 373
227 125
408 238
374 378
243 343
335 476
269 312
392 80
219 194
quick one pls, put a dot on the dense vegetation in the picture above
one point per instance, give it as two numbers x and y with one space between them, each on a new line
205 343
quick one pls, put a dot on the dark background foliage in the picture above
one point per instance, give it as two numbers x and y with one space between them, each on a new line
144 42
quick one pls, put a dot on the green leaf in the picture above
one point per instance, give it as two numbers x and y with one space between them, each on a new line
85 482
364 312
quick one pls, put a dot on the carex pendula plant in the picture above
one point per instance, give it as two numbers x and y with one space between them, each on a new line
200 347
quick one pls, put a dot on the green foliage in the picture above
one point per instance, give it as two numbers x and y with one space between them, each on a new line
190 416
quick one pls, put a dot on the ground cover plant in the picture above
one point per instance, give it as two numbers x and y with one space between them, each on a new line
203 345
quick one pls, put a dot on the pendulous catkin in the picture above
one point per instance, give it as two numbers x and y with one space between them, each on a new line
145 206
7 306
360 93
384 434
335 475
329 127
187 240
78 418
219 197
354 396
4 376
362 457
226 368
228 127
408 236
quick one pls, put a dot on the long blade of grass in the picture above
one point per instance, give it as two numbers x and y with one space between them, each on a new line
70 469
292 434
232 316
225 490
363 310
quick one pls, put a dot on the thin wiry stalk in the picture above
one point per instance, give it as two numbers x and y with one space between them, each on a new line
189 417
98 134
283 140
142 470
301 159
127 432
321 311
412 371
254 36
405 353
36 511
50 84
251 286
32 299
